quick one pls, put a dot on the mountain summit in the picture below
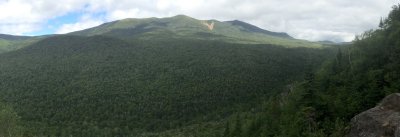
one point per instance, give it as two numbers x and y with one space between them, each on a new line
186 27
179 27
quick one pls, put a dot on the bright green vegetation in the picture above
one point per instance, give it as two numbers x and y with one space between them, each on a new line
189 28
356 79
102 86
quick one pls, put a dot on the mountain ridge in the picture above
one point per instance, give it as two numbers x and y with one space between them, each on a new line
246 26
175 27
13 37
253 28
182 26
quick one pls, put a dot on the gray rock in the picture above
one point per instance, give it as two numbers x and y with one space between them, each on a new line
380 121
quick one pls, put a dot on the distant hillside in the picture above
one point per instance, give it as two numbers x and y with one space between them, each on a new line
13 38
182 26
327 42
10 42
251 28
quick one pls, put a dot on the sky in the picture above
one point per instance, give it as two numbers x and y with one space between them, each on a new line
314 20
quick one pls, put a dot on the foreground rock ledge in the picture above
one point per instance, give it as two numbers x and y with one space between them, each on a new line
380 121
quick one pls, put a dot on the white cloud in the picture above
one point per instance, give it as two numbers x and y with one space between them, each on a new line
307 19
19 28
24 16
66 28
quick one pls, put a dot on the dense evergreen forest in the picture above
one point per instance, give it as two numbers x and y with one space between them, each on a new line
356 79
103 86
107 86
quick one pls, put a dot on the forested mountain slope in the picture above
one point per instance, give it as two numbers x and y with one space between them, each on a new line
104 86
356 79
181 76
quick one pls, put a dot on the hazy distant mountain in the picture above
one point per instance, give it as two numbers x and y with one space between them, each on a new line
251 28
12 37
327 42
